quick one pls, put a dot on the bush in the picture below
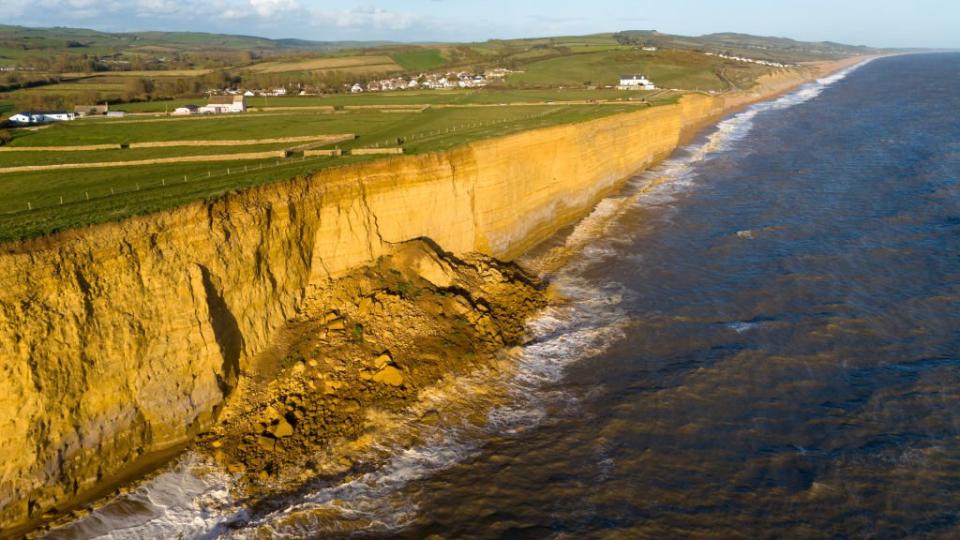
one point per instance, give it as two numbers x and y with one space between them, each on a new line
4 137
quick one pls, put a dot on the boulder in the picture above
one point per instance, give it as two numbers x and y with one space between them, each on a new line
281 429
426 261
389 375
382 361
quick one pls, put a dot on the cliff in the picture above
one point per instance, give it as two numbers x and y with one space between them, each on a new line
123 339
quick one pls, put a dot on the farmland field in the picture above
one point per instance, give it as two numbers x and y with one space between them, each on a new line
668 70
352 64
151 74
490 96
30 202
420 59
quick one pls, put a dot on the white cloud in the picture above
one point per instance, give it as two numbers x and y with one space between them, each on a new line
372 17
14 8
158 7
274 8
310 19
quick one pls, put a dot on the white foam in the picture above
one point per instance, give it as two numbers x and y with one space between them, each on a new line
742 327
190 500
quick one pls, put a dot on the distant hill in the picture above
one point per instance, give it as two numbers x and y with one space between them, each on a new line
759 47
20 41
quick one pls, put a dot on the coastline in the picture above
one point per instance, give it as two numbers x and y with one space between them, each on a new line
342 262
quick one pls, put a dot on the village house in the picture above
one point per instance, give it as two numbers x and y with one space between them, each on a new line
635 82
185 110
224 104
356 88
42 117
91 110
747 60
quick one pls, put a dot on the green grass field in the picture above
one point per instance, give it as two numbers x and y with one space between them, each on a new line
425 97
675 69
30 202
420 59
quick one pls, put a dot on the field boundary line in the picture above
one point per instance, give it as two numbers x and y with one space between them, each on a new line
78 148
328 139
157 161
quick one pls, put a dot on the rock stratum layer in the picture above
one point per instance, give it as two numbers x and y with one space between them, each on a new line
122 340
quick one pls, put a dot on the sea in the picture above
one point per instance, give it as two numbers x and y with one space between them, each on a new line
758 338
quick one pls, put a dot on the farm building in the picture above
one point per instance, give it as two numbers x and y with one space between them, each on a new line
224 104
42 117
186 109
636 82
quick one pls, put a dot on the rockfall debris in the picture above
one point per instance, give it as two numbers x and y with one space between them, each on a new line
369 342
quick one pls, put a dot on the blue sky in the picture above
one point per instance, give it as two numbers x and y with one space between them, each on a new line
894 23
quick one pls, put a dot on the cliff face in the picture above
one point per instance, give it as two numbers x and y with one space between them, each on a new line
124 339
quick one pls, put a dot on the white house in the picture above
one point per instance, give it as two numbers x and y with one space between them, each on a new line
22 118
224 104
43 117
635 82
186 109
356 88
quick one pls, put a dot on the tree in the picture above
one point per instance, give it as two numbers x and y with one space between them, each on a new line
138 88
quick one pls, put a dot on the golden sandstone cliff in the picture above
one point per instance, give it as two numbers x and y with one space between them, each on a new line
122 340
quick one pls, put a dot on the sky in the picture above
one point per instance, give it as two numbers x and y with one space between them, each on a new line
880 23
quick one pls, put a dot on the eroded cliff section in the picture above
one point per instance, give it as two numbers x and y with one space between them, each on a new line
121 340
362 351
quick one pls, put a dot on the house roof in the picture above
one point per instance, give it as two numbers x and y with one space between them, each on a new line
224 100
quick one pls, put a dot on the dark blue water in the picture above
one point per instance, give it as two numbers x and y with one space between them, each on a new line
787 362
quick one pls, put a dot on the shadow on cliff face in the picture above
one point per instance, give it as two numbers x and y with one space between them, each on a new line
226 331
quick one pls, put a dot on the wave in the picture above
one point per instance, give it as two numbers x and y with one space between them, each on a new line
192 498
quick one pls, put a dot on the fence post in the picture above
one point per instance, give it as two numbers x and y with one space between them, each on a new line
87 193
29 206
163 182
61 199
